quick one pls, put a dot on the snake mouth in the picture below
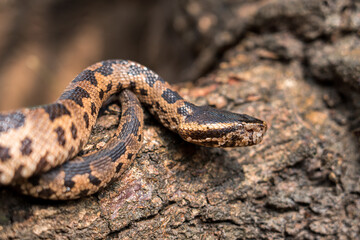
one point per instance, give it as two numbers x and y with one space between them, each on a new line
239 134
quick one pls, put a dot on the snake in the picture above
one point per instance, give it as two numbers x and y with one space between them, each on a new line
39 145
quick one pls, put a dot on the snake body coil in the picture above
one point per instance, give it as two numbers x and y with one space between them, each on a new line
34 142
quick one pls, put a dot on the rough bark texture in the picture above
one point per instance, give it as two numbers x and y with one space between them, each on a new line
295 64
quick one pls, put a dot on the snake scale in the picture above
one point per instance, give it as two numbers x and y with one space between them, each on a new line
38 145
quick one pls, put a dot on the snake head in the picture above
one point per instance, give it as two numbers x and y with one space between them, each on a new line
211 127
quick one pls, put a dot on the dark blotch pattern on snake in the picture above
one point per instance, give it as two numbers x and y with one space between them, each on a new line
38 146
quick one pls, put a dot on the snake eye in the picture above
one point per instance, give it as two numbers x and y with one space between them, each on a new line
218 128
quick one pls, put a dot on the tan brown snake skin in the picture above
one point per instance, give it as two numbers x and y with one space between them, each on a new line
35 142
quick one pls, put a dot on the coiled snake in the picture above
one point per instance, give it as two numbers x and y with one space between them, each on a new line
34 142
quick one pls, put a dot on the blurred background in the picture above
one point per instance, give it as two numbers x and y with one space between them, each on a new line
45 44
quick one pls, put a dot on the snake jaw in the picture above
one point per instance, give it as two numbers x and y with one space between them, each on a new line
238 134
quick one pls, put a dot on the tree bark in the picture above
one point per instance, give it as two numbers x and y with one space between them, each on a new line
290 63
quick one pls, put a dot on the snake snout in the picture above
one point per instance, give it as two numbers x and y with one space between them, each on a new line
251 134
242 134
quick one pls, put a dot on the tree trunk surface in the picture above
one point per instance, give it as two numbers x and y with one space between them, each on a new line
294 64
